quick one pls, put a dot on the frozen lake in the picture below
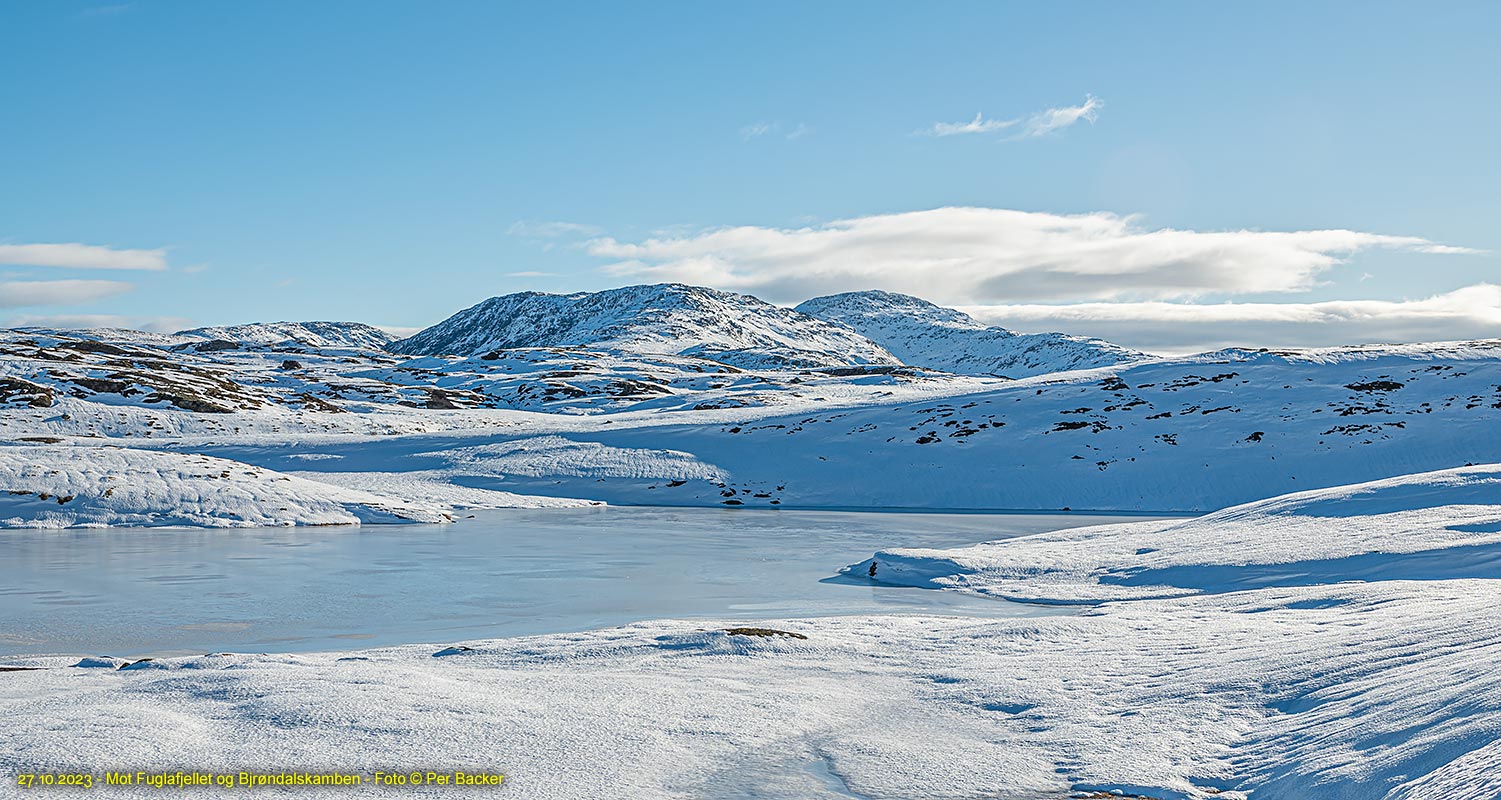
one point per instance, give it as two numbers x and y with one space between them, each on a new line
133 593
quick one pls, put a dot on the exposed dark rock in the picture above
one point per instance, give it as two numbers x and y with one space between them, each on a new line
15 389
1374 386
762 632
215 345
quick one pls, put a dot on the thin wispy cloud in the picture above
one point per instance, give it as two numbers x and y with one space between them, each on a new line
1473 312
97 12
531 274
85 321
1041 123
20 294
977 125
552 230
760 129
755 130
81 256
987 255
1056 119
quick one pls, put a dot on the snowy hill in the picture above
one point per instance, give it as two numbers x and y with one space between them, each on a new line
665 318
297 334
1190 434
922 334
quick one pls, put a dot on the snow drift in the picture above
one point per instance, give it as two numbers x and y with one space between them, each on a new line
65 487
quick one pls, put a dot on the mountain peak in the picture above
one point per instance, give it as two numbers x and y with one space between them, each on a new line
876 303
675 318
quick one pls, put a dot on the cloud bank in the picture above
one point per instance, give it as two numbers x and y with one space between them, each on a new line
1473 312
81 256
987 256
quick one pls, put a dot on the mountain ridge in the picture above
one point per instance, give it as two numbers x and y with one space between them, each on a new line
923 334
667 318
315 333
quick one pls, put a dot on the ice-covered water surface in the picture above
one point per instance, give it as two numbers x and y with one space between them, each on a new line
502 573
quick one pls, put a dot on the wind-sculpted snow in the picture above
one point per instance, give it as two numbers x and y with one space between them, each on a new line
65 487
922 334
325 335
671 318
1347 627
550 456
1431 526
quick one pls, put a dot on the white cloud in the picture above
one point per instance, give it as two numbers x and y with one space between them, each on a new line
81 256
799 132
1473 312
977 125
19 294
1056 119
531 274
976 256
1041 123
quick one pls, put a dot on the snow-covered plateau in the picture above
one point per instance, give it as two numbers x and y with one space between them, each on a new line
1323 627
651 396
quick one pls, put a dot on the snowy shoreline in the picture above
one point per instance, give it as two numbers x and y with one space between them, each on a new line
1226 656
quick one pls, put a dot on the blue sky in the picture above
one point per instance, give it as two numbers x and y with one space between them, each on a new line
394 162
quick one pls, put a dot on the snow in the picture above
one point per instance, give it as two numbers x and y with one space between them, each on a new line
64 487
1436 525
1318 687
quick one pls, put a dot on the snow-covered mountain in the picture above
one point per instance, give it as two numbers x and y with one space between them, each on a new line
668 318
622 426
297 334
922 334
